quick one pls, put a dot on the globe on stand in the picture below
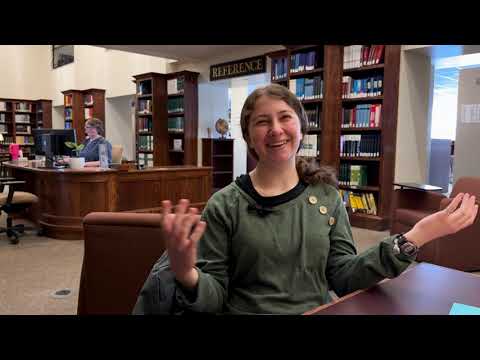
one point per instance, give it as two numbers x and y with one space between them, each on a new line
222 127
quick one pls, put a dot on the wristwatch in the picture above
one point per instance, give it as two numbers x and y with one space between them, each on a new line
402 246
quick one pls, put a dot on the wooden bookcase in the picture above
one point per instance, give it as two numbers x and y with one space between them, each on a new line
166 115
81 105
381 169
218 153
18 117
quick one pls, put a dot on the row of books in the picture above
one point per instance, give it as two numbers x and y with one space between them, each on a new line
7 139
363 202
23 128
313 116
175 86
144 87
362 115
3 118
145 125
23 106
3 106
145 143
24 140
310 146
88 113
144 106
360 88
353 175
175 124
175 105
22 118
68 100
68 114
279 68
145 159
304 61
355 56
3 128
354 145
307 88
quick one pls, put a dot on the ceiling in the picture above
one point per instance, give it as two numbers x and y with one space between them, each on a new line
183 53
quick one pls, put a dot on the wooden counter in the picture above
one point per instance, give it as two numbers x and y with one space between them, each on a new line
67 195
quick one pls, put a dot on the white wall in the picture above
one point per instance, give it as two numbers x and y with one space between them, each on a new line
97 67
24 71
120 124
414 118
468 133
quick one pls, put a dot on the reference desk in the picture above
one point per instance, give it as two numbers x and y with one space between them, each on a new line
67 195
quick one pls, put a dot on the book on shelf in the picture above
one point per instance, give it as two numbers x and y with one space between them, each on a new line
313 116
176 85
68 115
23 107
145 124
23 128
356 56
88 113
303 61
144 87
353 175
360 145
307 88
145 143
3 106
3 128
2 118
22 118
175 105
362 115
144 106
279 68
359 202
175 124
310 146
68 100
362 87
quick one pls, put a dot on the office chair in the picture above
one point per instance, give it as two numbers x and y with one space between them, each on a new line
12 203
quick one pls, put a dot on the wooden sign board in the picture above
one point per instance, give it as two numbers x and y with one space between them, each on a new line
249 66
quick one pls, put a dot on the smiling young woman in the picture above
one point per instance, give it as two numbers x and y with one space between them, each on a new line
276 240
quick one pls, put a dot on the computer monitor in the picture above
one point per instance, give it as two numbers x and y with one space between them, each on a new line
51 142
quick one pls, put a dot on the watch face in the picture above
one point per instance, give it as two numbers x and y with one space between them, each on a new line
409 249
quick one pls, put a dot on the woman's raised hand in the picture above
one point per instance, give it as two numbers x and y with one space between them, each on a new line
182 230
460 213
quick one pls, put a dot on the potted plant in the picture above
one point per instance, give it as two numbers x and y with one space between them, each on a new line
76 162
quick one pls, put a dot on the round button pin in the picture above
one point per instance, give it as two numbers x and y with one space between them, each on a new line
312 200
323 209
331 221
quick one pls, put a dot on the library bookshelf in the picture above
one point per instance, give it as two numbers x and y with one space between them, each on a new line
345 73
81 105
18 117
166 114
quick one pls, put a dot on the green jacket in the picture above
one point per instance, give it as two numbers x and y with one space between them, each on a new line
286 261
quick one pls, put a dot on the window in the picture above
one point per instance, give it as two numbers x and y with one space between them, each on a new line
62 55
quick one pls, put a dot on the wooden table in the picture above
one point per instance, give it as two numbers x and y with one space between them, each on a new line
67 195
416 186
425 289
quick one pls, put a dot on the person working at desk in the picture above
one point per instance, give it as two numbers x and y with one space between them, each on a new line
94 130
276 240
